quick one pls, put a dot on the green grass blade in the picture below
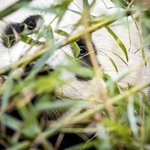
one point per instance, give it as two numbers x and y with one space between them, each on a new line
121 45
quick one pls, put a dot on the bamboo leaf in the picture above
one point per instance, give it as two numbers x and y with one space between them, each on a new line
11 122
58 105
75 49
61 32
120 3
121 45
19 146
131 116
119 58
146 41
115 66
7 91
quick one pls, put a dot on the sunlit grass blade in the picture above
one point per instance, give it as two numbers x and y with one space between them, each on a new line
121 45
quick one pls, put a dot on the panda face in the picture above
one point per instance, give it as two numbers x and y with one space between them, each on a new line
105 47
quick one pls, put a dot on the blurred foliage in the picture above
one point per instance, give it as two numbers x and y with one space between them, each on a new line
33 96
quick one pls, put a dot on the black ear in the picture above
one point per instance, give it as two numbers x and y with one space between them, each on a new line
9 38
9 35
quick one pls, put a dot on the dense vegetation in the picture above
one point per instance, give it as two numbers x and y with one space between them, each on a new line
125 122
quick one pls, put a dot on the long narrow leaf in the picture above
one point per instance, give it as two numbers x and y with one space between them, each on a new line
121 45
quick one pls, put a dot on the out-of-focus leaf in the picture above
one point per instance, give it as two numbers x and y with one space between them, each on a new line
118 77
113 88
55 105
41 62
103 137
78 69
75 49
132 118
31 128
11 122
49 35
14 7
27 40
93 3
61 32
48 83
20 146
120 3
145 100
7 91
117 127
74 11
58 9
86 4
146 41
